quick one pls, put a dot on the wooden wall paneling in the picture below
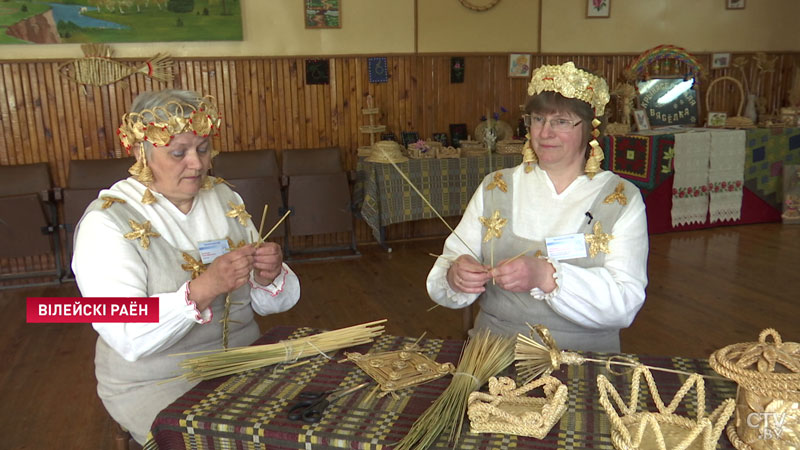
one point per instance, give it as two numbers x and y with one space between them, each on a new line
49 151
285 119
326 108
307 124
244 119
35 106
15 102
26 116
261 104
254 141
273 117
297 78
6 130
236 98
55 127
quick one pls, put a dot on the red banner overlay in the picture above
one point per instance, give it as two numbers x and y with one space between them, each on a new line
92 309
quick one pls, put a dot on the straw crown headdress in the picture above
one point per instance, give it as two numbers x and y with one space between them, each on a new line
160 124
571 82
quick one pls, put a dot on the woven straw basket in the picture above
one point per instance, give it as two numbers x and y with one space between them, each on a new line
507 410
768 398
413 151
509 146
662 430
737 121
473 148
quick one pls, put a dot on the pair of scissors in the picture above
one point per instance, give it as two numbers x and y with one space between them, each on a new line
311 409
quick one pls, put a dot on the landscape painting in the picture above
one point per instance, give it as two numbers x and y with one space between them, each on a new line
101 21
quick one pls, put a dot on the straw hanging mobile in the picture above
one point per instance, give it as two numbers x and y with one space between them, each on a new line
235 360
485 355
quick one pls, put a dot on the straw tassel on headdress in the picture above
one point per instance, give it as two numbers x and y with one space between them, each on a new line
98 69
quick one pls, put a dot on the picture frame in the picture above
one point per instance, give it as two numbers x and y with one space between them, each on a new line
599 9
322 14
716 119
441 138
519 65
720 60
457 69
642 121
318 71
458 133
409 137
734 4
378 69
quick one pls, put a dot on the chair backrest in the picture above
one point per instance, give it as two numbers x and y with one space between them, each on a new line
25 179
311 161
246 164
257 192
97 173
28 219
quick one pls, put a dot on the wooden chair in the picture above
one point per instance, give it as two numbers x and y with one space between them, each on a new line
122 439
85 179
28 220
255 176
318 193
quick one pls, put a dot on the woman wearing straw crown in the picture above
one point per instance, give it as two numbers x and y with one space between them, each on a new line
555 241
171 231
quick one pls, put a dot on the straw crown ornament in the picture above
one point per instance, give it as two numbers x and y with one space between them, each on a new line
160 124
663 430
571 82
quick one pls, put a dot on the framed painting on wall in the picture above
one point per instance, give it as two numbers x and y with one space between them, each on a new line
323 13
519 65
596 9
734 4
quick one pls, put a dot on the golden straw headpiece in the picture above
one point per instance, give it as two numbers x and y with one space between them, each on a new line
571 82
160 124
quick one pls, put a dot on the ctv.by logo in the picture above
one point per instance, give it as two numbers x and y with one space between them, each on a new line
770 424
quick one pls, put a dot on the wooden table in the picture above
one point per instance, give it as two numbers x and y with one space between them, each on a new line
248 410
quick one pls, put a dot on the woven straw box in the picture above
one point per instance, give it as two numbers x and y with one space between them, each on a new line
507 409
418 151
768 398
447 152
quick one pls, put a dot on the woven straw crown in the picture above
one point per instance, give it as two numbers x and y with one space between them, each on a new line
159 125
571 82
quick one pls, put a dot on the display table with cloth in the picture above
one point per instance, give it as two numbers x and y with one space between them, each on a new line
385 198
647 162
249 410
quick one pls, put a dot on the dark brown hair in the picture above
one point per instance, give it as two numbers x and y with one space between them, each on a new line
549 102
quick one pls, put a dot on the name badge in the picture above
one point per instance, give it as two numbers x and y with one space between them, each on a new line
568 246
210 250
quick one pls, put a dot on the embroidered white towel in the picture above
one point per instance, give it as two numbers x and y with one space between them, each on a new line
726 175
690 184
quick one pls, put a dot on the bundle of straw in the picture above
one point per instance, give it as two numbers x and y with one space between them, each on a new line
235 360
485 355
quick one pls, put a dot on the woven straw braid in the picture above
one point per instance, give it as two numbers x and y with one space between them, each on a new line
786 386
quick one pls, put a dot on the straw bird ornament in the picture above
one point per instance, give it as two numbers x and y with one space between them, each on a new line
98 69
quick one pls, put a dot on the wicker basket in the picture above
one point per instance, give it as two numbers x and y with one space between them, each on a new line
447 152
768 398
738 121
509 146
639 430
420 151
508 410
473 148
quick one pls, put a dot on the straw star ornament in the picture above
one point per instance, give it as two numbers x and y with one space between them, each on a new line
494 226
109 200
238 212
193 265
598 242
618 195
497 182
141 231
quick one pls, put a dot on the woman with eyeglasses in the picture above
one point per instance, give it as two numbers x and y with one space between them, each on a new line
555 241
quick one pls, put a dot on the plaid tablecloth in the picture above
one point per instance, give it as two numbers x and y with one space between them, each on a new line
384 198
248 411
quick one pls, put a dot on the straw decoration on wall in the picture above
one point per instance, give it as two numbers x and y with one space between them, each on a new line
240 359
97 68
485 355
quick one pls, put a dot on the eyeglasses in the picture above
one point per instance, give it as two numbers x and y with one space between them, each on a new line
556 124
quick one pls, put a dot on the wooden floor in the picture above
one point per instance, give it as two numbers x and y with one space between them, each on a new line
707 289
